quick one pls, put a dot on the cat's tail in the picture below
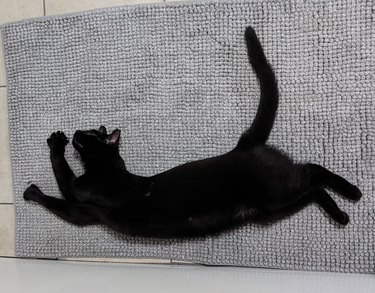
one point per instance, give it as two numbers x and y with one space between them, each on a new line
261 127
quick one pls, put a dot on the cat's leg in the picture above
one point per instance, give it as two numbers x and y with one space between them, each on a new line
72 212
303 199
321 177
63 173
330 206
289 206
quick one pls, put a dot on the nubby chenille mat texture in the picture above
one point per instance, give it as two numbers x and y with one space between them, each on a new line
175 78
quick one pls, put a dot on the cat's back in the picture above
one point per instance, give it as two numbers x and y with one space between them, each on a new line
266 156
234 165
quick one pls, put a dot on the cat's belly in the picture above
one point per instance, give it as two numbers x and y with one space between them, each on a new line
192 224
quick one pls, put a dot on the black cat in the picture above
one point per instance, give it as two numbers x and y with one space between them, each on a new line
253 182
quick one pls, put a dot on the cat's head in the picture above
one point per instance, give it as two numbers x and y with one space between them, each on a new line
96 144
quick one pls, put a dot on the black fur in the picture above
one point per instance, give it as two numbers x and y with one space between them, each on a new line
253 182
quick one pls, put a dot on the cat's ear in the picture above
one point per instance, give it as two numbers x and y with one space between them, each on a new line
102 129
114 137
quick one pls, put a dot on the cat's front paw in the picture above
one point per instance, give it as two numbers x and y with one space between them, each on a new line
57 141
33 193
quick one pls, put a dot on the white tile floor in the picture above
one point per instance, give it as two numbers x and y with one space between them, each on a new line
21 276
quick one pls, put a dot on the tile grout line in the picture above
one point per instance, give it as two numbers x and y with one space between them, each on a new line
90 261
3 86
44 7
124 261
6 203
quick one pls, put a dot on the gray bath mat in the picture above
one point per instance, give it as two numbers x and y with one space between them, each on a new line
175 78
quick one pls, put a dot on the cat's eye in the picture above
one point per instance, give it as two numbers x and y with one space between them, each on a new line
102 136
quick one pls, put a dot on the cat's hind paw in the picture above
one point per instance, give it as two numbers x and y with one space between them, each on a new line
343 219
354 193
